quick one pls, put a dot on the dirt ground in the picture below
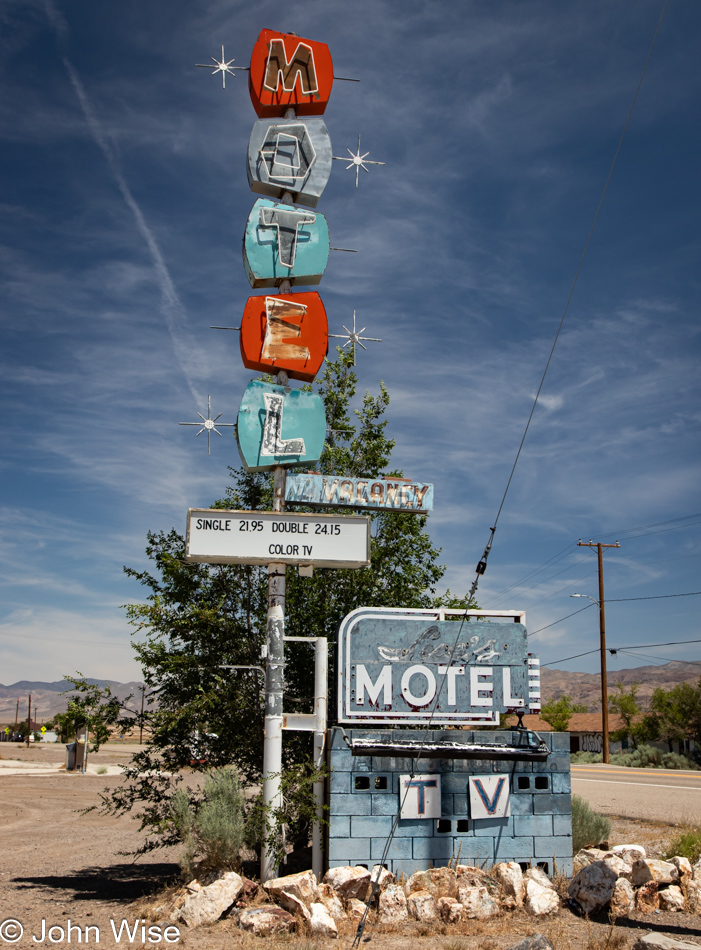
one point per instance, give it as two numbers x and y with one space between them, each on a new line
58 866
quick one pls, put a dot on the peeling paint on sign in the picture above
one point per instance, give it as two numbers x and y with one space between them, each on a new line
389 494
408 666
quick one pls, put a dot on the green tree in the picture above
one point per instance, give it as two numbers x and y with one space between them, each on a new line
558 712
676 713
198 618
625 704
89 705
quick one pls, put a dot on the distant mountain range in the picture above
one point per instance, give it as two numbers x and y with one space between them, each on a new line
585 688
51 698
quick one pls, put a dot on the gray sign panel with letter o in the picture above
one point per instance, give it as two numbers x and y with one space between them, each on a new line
221 536
392 664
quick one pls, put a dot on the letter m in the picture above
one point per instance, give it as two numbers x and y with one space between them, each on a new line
301 66
365 684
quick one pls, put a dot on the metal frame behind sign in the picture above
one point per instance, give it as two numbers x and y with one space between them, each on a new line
227 536
392 663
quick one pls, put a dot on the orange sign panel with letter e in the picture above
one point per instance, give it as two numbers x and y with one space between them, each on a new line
289 333
288 71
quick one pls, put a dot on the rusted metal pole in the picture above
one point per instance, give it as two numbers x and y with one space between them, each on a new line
29 719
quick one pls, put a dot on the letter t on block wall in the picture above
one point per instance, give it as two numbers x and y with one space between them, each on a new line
420 796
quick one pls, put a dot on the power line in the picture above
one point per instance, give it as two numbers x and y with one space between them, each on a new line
623 600
579 267
575 657
555 622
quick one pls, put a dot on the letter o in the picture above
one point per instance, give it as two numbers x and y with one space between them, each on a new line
431 686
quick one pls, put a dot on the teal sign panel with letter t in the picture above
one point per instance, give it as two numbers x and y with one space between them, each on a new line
284 243
279 426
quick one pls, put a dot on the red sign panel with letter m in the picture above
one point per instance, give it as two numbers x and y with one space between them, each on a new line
288 71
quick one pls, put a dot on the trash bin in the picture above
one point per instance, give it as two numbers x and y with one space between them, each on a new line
79 753
70 756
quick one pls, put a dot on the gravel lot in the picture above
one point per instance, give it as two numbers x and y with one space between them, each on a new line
57 865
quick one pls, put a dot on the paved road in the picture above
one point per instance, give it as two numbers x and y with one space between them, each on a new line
654 794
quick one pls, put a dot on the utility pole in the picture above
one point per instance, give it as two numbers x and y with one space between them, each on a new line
602 643
16 716
29 719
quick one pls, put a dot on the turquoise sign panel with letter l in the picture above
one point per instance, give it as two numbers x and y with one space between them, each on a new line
279 426
284 243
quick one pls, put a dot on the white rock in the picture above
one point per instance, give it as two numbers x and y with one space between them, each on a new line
671 898
696 872
650 869
266 920
540 900
393 905
381 876
588 856
629 852
469 876
355 909
207 904
538 875
622 899
449 909
477 902
331 901
293 904
321 922
422 905
683 865
619 867
440 882
348 882
303 886
510 878
592 887
660 942
693 897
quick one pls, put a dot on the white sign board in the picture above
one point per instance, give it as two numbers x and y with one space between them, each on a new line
420 796
489 796
221 536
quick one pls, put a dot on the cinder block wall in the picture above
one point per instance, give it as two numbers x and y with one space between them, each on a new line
364 800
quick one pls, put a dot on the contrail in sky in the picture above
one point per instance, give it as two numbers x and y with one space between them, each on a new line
189 357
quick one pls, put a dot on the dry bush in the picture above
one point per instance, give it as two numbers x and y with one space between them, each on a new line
611 939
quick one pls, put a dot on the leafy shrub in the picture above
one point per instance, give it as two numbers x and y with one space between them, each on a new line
589 828
211 830
586 758
101 770
687 844
647 756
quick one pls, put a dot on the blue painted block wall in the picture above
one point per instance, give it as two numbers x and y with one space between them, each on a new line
538 832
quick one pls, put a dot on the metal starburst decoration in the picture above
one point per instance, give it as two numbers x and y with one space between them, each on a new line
208 424
357 160
353 337
221 66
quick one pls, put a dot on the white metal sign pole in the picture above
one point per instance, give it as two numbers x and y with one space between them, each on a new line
274 681
321 679
275 660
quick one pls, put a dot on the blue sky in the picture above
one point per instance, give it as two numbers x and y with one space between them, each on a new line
124 192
